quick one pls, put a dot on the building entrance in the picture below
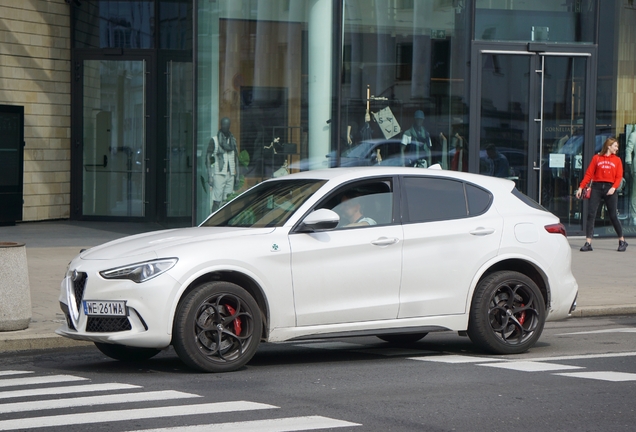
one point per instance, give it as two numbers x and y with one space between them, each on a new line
533 121
136 142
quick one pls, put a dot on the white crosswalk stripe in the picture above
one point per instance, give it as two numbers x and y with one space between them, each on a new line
94 400
86 388
530 366
270 425
59 418
49 379
14 372
131 414
604 376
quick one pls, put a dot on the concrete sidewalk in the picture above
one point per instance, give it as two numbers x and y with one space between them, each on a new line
606 283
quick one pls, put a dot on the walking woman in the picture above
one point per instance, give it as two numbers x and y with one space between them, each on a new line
605 172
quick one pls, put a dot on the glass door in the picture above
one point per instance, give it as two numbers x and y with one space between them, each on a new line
177 131
114 138
529 117
562 121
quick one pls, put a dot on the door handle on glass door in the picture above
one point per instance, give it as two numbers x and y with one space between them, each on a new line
384 241
481 231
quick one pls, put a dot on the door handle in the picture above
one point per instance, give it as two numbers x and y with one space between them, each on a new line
481 231
384 241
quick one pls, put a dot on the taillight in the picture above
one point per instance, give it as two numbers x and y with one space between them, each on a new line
557 228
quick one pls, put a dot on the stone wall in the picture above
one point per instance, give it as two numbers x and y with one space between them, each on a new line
35 53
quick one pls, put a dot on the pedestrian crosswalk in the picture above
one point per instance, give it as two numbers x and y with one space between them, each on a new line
44 409
546 364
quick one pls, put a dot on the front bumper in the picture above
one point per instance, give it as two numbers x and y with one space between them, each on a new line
148 306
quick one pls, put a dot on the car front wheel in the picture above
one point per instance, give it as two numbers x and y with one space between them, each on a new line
217 327
507 314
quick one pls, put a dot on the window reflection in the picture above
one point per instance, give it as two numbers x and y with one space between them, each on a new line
539 20
403 81
115 24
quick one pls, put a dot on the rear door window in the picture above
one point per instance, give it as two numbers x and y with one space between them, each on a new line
428 199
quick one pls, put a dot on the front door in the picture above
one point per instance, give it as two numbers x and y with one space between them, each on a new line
532 114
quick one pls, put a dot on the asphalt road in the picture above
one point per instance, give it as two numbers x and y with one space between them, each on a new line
580 376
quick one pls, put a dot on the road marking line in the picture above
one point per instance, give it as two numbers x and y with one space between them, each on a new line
14 372
582 357
135 414
271 425
93 400
451 358
86 388
530 366
618 330
603 376
13 382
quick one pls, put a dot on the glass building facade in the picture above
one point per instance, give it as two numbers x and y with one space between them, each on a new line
180 105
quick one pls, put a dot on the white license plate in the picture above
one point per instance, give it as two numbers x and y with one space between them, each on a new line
105 308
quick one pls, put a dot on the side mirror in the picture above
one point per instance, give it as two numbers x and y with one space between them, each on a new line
320 220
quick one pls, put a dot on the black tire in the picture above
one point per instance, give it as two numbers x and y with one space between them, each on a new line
126 353
217 327
402 339
507 313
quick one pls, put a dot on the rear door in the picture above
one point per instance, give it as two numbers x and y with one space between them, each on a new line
450 231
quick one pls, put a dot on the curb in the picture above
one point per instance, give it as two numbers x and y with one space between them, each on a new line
595 311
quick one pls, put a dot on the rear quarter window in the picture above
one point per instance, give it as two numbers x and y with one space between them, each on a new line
479 200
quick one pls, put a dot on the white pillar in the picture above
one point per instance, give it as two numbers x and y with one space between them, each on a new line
320 82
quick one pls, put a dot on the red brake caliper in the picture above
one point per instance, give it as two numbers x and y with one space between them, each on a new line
522 316
237 321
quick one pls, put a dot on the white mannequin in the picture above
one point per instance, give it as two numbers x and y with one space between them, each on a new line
630 158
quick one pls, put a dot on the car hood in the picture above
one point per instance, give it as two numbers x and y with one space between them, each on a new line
159 241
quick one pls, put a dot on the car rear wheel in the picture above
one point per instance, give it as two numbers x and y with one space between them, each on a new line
507 314
402 339
217 327
126 353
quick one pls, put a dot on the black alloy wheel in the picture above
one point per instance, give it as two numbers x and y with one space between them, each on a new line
217 327
507 314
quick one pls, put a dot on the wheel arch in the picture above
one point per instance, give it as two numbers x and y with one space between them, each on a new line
240 279
524 267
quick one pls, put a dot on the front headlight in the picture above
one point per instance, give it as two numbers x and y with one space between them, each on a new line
140 272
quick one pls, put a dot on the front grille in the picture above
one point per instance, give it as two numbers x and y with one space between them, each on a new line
107 324
79 284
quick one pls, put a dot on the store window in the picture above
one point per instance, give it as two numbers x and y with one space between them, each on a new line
264 99
535 20
115 24
404 84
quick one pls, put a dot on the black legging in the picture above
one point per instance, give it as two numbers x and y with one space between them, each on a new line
599 192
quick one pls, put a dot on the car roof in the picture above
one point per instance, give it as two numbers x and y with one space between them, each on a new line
351 173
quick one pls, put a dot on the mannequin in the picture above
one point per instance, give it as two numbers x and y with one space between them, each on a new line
630 158
222 164
366 133
418 134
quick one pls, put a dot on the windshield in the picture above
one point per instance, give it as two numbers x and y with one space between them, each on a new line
269 204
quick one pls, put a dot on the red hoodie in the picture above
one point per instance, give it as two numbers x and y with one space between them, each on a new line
604 169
